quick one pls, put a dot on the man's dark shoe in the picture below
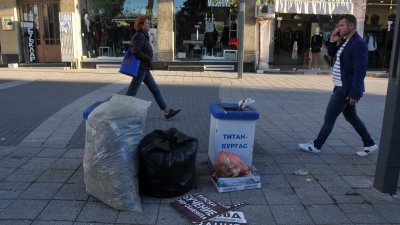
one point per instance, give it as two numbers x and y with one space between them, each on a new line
171 113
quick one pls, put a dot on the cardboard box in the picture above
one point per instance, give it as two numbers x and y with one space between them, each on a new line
227 184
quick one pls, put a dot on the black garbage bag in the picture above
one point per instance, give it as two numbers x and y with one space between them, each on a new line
167 163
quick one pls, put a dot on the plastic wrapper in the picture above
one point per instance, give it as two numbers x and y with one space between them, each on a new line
113 132
230 165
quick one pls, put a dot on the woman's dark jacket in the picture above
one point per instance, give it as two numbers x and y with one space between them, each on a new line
142 50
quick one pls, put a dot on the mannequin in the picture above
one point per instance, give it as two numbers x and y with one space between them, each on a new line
210 35
299 37
316 45
87 34
210 40
287 39
298 41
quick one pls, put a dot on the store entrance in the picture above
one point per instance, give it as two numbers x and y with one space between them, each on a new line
46 31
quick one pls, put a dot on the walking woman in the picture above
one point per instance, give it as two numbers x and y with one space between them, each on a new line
142 50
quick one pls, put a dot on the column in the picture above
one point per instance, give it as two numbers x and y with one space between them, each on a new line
266 43
165 30
359 10
250 32
73 6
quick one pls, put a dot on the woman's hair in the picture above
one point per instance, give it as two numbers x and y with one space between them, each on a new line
139 21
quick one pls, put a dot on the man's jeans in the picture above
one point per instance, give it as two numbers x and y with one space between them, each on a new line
338 104
146 77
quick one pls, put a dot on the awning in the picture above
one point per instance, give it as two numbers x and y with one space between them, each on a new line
326 7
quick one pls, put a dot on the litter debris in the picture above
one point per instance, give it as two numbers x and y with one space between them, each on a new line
301 172
231 217
352 193
230 165
244 103
197 208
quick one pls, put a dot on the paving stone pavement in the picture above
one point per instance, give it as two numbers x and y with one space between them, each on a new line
42 141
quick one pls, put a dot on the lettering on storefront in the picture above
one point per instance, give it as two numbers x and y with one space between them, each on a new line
219 3
31 45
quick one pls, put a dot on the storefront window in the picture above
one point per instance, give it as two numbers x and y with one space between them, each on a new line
378 33
205 30
107 25
300 41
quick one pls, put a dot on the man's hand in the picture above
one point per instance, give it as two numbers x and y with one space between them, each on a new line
334 36
352 101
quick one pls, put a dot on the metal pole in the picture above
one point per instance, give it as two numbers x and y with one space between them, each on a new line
242 5
388 164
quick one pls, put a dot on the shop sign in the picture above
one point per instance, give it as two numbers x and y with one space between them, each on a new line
6 23
219 3
31 41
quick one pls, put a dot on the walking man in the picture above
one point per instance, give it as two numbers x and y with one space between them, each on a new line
350 57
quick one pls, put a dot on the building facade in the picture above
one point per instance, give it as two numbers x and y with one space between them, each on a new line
186 32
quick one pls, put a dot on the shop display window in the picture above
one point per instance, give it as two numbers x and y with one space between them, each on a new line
107 25
300 41
379 31
205 30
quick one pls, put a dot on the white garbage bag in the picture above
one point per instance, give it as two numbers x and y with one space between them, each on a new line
113 132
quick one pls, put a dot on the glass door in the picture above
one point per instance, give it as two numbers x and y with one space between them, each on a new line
44 16
50 31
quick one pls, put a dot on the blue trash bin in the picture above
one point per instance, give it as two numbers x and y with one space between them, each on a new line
232 131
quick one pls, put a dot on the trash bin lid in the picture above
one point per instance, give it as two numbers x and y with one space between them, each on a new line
227 111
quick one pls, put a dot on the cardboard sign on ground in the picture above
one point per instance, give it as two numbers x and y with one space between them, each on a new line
198 208
231 217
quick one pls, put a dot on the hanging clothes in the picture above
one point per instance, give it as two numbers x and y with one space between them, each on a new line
295 51
371 42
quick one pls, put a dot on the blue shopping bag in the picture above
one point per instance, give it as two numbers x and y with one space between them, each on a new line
130 64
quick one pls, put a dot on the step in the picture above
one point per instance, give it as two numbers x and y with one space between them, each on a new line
107 66
53 65
186 68
219 67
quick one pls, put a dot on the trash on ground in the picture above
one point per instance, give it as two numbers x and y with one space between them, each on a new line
110 163
230 165
301 172
198 208
167 163
228 184
352 193
231 217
